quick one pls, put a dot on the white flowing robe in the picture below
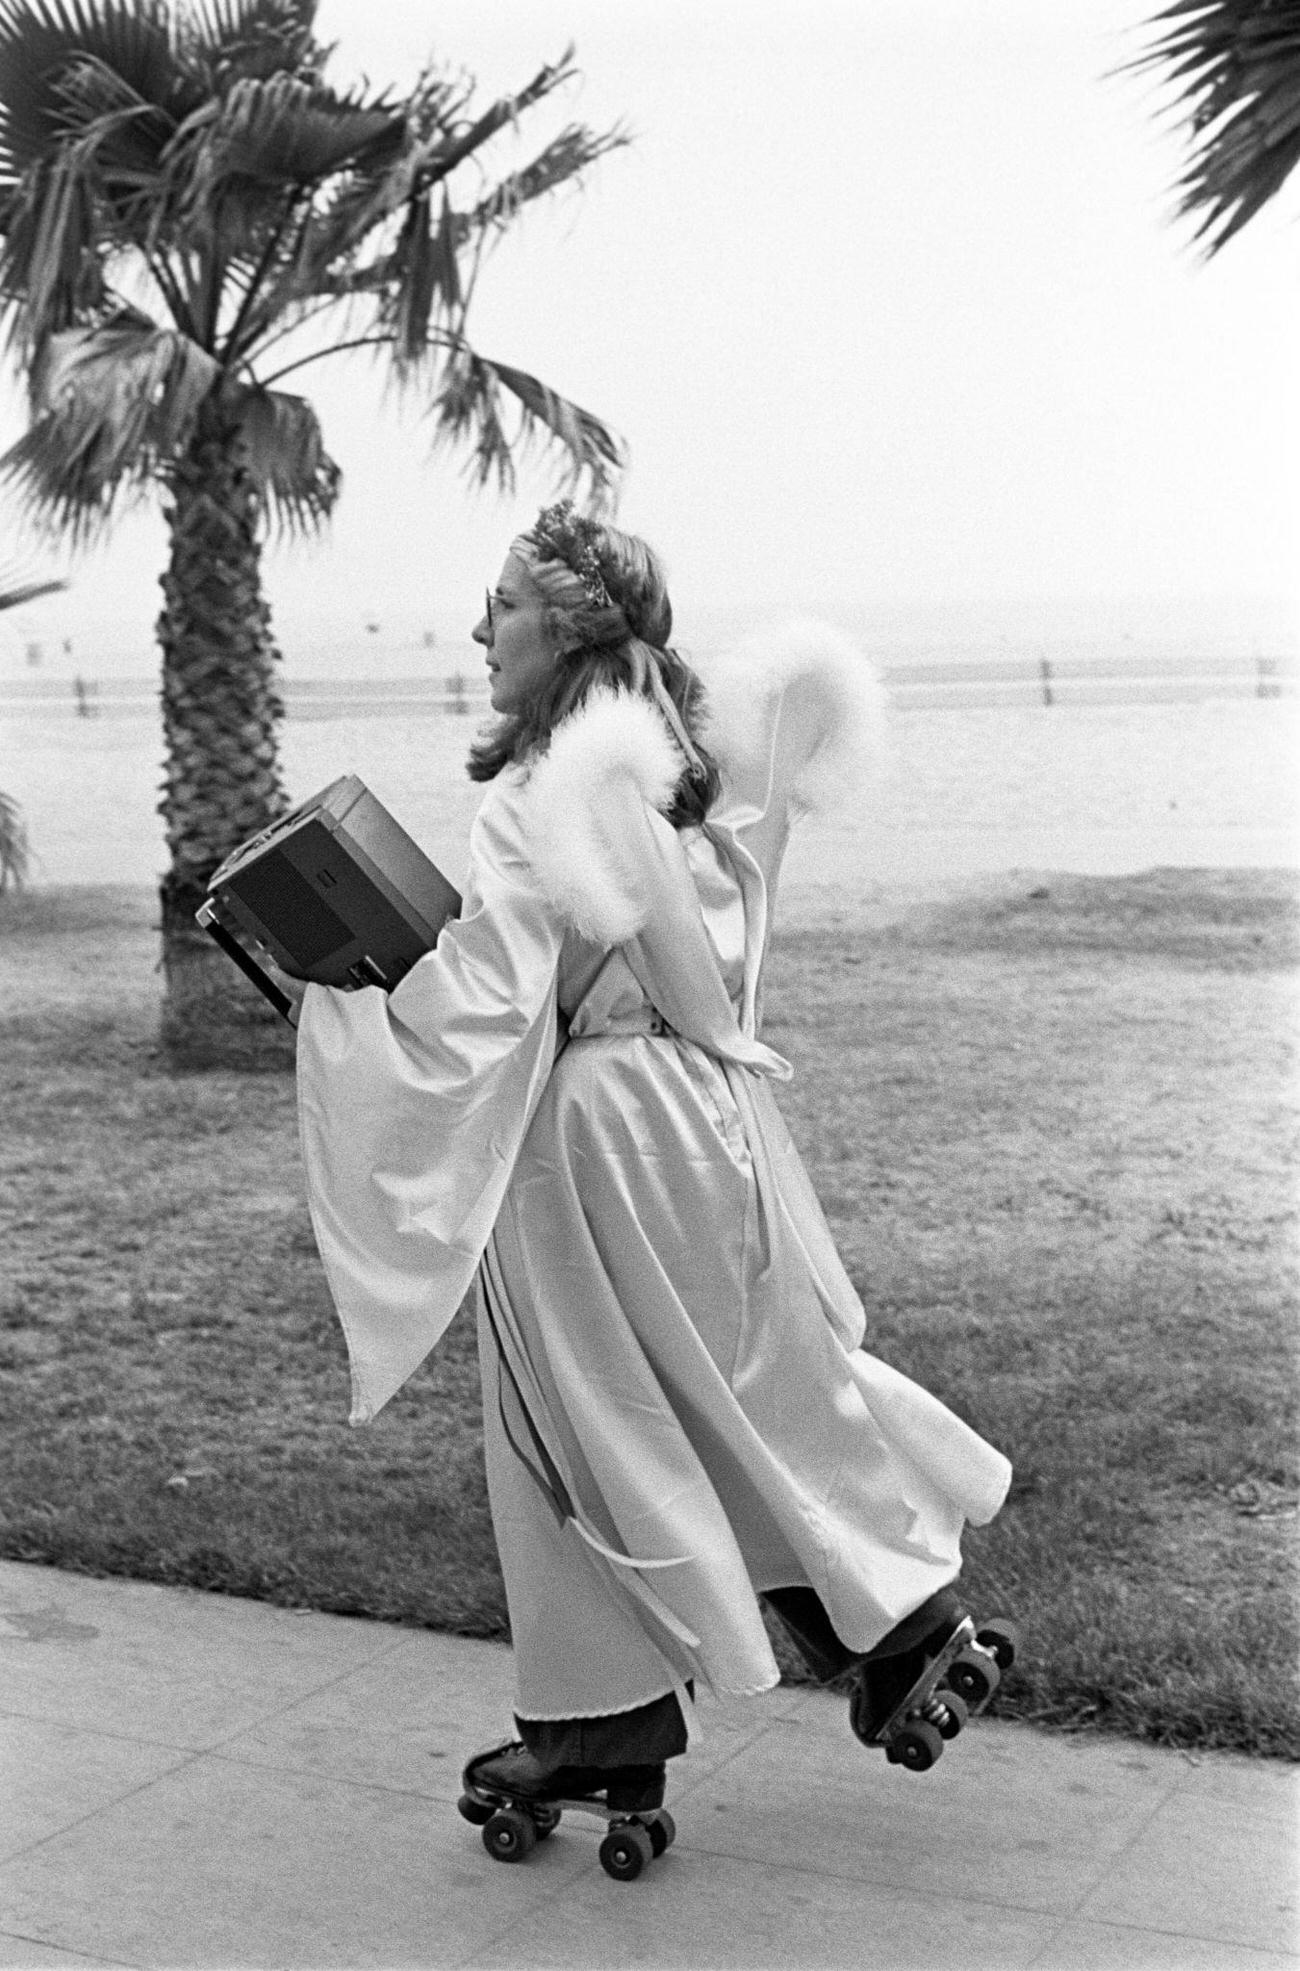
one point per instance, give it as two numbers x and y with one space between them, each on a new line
677 1408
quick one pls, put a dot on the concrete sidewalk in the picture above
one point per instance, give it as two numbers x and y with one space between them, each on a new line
192 1780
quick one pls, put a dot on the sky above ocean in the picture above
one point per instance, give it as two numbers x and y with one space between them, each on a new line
886 301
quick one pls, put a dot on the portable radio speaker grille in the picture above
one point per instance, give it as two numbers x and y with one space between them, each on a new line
336 892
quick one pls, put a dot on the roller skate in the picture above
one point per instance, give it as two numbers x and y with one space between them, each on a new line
516 1804
911 1702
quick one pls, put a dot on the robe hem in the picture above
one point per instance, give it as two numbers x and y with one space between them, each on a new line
620 1710
606 1710
745 1690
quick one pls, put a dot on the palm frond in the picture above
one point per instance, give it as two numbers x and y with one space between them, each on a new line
50 270
589 444
379 187
112 129
284 131
14 594
381 203
39 38
54 500
296 479
15 851
246 175
469 411
1236 66
252 38
376 191
563 162
461 141
111 405
333 267
424 277
89 95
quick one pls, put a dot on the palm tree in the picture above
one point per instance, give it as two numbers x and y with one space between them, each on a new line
1236 66
190 213
14 851
14 848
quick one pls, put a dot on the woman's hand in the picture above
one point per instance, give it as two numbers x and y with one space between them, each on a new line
293 989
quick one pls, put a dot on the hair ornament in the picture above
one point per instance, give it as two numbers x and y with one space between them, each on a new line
559 533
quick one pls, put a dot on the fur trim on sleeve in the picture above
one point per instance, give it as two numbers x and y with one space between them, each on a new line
604 762
810 679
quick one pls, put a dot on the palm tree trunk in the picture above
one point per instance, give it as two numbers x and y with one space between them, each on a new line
221 716
14 852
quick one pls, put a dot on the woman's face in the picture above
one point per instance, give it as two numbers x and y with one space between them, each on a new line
513 631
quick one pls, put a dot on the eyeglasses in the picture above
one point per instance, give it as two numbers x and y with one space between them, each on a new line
487 606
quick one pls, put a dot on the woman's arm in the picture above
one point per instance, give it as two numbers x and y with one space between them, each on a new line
414 1105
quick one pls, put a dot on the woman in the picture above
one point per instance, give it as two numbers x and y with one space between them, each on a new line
567 1104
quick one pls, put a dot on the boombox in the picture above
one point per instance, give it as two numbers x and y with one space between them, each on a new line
336 892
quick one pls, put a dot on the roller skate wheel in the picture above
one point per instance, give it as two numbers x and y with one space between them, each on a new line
509 1836
1002 1639
474 1811
545 1821
625 1852
956 1711
663 1832
917 1746
974 1676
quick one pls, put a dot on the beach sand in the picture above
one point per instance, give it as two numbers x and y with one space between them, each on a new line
968 795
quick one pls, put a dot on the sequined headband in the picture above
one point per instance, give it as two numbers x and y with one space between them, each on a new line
561 534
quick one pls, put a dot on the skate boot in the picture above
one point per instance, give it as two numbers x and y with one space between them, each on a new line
913 1694
517 1804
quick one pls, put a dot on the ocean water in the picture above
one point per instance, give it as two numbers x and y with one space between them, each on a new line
967 793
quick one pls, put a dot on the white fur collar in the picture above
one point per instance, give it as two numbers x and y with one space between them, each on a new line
794 713
609 757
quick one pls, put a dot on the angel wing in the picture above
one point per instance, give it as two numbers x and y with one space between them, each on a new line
797 721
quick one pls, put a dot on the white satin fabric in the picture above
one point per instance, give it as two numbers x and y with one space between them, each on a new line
677 1408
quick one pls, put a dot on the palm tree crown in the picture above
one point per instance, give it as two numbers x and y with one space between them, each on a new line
189 208
1236 65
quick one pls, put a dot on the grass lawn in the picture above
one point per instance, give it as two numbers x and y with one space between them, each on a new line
1051 1127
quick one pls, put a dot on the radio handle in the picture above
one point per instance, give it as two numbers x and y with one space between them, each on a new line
248 965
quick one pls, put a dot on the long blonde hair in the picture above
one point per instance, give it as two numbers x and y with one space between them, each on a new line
621 642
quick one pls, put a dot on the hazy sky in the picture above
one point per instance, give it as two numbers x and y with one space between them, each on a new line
883 298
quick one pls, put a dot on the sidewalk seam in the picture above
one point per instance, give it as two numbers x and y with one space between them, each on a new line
1183 1936
45 1943
103 1806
